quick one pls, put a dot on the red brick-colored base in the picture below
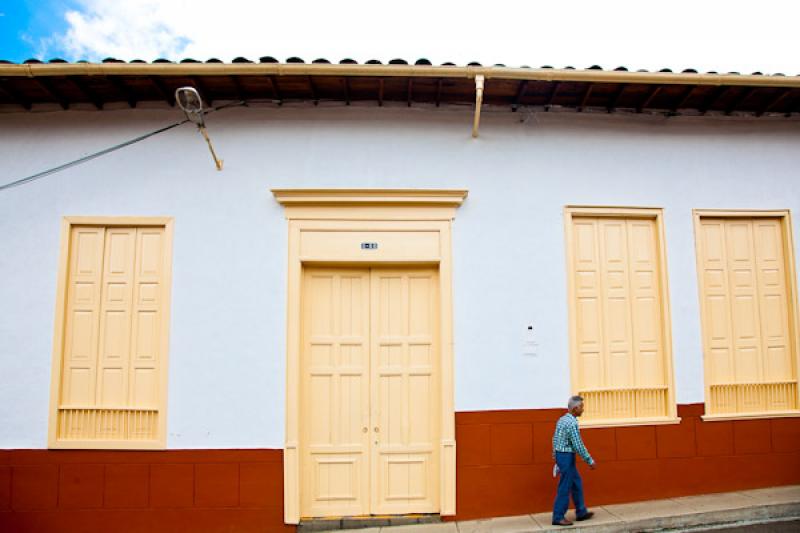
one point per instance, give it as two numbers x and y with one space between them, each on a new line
503 468
504 464
201 491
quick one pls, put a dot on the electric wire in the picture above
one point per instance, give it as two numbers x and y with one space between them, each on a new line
95 155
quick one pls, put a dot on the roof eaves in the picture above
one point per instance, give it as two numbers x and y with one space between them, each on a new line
190 68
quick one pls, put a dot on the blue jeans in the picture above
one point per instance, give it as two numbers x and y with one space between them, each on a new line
569 482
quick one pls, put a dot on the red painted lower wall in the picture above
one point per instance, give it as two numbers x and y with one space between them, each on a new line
201 491
503 468
504 464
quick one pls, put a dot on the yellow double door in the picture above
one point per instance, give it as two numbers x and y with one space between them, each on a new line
370 410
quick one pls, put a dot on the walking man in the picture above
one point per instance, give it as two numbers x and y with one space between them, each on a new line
566 443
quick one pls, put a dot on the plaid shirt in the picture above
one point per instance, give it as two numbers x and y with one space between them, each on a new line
567 438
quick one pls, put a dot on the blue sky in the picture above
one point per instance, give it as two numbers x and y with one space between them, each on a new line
707 35
25 23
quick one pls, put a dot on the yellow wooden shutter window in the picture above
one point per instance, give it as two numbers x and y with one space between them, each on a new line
112 338
746 308
620 357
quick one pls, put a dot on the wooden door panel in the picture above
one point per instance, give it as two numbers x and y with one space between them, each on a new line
370 362
335 391
405 388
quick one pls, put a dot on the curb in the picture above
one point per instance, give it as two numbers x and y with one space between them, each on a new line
697 521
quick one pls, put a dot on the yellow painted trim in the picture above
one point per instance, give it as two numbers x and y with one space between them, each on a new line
165 328
696 215
657 214
118 221
108 445
791 285
742 213
368 210
751 416
625 422
416 71
58 333
613 211
369 197
67 223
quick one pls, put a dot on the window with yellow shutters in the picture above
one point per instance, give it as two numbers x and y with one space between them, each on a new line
621 357
109 382
746 293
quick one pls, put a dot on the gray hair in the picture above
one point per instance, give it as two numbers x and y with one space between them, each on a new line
574 401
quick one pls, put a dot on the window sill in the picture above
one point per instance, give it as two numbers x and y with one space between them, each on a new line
106 445
750 416
623 422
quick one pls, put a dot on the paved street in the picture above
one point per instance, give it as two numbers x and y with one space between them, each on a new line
791 526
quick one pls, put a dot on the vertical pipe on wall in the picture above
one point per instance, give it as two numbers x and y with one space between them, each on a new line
478 102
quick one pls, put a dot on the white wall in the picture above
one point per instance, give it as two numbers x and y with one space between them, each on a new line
227 338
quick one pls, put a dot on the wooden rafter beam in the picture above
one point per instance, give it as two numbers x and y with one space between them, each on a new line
126 91
617 96
346 90
718 93
313 88
552 95
586 95
90 95
205 94
739 100
774 102
438 91
4 92
380 92
238 88
649 98
162 89
52 92
410 91
15 95
684 98
523 87
276 91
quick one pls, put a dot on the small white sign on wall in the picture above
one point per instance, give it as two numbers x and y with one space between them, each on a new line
529 345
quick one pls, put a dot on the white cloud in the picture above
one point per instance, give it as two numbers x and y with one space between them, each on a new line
122 29
707 35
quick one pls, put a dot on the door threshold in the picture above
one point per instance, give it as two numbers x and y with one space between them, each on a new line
333 523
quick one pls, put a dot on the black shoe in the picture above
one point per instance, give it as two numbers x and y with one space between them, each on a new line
587 516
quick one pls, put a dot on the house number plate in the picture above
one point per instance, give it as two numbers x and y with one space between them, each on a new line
369 245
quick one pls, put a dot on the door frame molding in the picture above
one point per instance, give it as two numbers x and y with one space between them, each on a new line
345 212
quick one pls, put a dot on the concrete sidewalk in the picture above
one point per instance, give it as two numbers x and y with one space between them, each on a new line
691 512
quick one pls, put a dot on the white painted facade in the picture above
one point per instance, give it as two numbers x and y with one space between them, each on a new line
227 332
